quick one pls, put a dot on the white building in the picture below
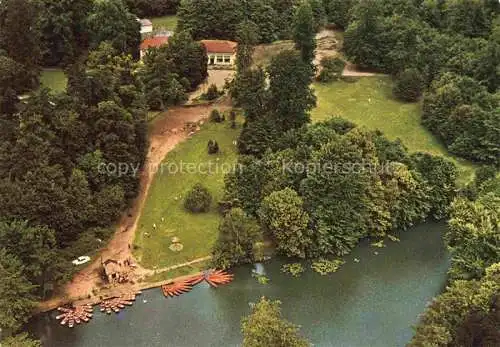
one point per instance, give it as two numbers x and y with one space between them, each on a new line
146 26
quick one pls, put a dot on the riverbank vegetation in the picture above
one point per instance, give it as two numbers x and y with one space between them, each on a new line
265 327
316 190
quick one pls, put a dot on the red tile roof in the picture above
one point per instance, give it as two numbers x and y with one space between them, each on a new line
219 46
156 41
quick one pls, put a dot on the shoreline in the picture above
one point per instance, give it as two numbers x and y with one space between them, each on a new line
112 292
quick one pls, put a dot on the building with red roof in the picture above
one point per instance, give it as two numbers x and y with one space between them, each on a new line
220 52
153 42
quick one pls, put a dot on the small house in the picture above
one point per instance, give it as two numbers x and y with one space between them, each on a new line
153 42
220 52
146 26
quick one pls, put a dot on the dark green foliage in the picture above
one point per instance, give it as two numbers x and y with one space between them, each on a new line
265 327
408 85
21 340
210 19
448 317
465 116
440 175
232 118
170 71
19 40
468 17
152 8
248 91
16 293
212 93
319 14
59 184
213 147
235 244
215 116
64 36
338 11
331 69
283 216
473 235
221 19
353 184
248 37
111 21
188 59
304 32
291 97
480 328
198 199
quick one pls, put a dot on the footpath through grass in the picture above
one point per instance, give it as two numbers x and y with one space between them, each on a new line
368 102
54 79
197 232
165 22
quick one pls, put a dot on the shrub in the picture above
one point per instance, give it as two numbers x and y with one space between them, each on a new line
215 116
213 147
331 69
198 199
232 118
408 85
212 93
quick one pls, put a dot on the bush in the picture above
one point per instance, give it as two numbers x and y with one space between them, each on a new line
213 147
331 69
212 93
408 86
232 118
198 199
216 117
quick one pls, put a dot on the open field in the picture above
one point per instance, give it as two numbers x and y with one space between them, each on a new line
165 22
264 53
368 102
197 232
54 79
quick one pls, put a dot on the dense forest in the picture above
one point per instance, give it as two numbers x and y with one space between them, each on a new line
314 190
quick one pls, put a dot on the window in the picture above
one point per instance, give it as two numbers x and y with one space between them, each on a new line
220 59
227 59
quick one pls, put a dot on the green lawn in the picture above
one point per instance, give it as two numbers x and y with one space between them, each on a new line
166 22
54 79
197 232
368 102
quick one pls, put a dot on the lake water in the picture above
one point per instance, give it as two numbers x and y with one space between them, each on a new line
373 302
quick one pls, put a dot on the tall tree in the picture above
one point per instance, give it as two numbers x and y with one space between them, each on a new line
291 97
248 37
265 327
16 293
110 20
19 36
304 32
64 35
235 244
283 216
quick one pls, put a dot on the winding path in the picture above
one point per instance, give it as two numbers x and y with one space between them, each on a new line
166 132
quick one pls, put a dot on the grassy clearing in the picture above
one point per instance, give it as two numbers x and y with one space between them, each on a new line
54 79
166 22
368 102
264 53
197 232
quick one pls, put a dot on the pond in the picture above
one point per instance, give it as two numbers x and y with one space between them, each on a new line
373 302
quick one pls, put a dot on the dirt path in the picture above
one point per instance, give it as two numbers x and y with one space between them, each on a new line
217 77
328 45
167 131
